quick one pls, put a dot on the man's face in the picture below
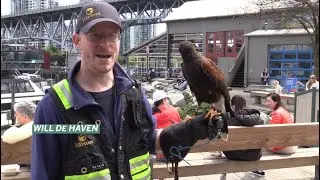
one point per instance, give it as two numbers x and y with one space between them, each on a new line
21 118
99 47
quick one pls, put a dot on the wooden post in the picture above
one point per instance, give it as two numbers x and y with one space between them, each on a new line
316 172
313 105
13 101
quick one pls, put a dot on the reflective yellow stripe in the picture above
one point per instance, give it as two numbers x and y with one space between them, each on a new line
139 158
63 90
145 175
140 167
99 175
66 84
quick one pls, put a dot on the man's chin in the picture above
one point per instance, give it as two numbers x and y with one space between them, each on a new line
105 70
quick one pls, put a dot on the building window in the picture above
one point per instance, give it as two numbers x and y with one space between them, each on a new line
223 44
239 40
210 39
290 61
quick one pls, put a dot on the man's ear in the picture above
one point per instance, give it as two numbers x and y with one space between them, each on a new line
76 39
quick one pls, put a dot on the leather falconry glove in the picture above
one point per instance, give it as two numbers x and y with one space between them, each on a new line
187 133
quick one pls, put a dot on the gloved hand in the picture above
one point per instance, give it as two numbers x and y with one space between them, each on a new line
218 127
186 134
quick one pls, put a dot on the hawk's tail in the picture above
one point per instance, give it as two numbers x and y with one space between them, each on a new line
227 101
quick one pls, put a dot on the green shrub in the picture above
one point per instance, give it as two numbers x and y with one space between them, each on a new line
190 107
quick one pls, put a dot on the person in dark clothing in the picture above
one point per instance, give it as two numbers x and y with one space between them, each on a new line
264 77
244 117
152 75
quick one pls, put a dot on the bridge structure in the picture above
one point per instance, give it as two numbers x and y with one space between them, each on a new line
58 24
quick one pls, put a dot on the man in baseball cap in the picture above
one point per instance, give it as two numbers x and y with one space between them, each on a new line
98 91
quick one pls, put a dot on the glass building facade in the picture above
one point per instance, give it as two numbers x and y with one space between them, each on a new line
291 61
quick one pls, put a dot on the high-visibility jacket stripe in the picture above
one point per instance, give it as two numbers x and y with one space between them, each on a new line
98 175
63 90
145 175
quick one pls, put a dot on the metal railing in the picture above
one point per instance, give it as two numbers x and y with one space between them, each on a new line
239 60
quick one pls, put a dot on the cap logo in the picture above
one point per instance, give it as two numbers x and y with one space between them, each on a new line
89 14
89 11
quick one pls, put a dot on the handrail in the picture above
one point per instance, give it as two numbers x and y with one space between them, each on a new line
234 69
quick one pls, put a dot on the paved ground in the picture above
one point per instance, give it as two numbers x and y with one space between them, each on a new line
300 173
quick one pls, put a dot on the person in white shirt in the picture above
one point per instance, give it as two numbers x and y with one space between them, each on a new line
24 113
277 87
312 83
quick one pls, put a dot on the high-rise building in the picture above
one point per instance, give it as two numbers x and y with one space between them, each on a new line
125 40
18 6
142 33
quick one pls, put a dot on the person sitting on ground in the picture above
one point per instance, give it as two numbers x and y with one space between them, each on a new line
277 87
182 82
164 113
244 117
279 115
312 83
181 78
24 113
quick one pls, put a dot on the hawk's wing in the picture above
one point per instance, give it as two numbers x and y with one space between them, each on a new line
211 70
190 84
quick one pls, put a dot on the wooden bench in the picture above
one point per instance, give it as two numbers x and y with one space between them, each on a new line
18 153
261 136
203 163
258 95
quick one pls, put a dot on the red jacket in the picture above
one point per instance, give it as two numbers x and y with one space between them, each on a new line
280 116
168 116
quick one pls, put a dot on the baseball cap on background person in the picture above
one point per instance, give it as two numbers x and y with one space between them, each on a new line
158 95
95 12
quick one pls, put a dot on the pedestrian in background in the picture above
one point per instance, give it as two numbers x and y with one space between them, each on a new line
264 77
312 83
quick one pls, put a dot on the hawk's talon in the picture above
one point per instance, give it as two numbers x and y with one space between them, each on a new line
212 113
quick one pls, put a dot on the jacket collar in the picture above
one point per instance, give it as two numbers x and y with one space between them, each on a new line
82 98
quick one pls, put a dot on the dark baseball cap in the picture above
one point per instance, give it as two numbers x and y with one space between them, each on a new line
95 12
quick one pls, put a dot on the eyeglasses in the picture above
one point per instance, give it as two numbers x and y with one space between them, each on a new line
97 38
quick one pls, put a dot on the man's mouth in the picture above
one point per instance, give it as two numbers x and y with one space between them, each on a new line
103 55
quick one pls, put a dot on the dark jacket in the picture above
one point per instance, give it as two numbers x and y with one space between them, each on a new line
49 150
249 118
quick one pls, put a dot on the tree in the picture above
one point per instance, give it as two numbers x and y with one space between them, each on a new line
190 107
56 56
121 60
293 14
